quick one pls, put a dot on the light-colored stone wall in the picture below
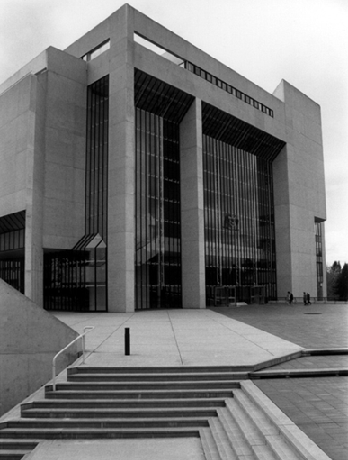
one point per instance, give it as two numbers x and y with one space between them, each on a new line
29 339
42 156
65 134
192 211
299 193
16 145
21 168
121 197
36 65
33 253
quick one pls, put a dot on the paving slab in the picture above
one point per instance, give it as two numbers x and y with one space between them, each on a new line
174 338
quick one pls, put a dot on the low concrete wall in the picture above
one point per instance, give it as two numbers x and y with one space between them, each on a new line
29 339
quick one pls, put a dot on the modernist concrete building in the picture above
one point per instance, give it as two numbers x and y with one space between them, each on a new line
136 171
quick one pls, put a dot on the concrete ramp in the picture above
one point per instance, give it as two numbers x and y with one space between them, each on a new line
29 339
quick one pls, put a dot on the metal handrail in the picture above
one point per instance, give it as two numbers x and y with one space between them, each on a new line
86 329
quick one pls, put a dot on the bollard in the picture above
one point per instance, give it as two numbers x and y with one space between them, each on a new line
126 341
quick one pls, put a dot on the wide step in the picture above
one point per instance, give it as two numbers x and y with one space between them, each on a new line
218 370
13 454
143 385
174 377
139 395
125 403
112 413
58 433
106 423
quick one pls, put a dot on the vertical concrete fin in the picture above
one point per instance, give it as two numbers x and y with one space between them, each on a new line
192 213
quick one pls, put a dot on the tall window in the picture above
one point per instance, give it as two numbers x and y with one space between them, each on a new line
160 109
97 157
239 221
158 224
319 254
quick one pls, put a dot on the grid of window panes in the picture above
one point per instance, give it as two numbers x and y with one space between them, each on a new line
158 223
228 88
12 240
319 254
97 157
238 220
12 271
64 281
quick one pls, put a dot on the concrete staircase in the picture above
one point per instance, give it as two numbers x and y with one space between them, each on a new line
113 403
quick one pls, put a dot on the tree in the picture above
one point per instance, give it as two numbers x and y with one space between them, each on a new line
341 285
332 274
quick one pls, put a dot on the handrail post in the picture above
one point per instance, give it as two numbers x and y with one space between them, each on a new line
86 329
83 348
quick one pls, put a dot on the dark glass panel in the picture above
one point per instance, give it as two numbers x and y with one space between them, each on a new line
319 254
239 227
12 271
158 221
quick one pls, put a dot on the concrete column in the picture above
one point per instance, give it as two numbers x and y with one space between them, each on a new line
282 222
192 213
121 194
33 253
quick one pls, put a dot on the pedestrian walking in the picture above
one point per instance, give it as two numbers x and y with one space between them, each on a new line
304 298
291 298
308 299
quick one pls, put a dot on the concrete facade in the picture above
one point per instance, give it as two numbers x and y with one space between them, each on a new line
43 132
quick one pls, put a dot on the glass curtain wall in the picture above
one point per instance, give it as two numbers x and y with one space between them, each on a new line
158 223
239 222
159 109
97 193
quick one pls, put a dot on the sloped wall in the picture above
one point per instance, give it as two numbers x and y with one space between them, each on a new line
29 339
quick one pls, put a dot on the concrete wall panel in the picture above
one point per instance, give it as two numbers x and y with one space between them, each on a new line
192 217
65 152
29 339
121 193
300 167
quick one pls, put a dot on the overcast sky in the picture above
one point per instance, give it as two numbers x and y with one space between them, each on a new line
304 42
